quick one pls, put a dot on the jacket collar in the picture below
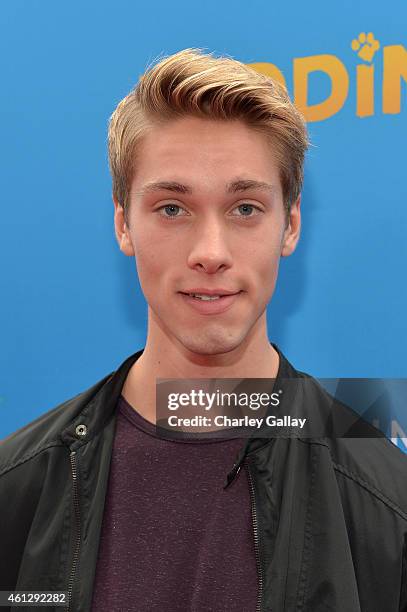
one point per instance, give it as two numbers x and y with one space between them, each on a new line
100 408
95 412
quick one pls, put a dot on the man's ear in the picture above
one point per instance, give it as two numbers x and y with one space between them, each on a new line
292 231
121 230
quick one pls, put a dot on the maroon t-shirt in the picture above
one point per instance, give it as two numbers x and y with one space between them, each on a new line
173 539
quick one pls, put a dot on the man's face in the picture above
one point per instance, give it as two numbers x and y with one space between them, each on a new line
211 238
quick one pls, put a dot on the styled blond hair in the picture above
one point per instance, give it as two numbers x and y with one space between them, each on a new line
195 83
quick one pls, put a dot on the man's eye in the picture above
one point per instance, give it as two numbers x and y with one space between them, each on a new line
171 209
246 210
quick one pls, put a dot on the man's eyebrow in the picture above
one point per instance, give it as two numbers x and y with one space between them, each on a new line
236 186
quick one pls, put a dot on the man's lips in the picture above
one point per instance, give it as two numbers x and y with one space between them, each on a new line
204 291
210 307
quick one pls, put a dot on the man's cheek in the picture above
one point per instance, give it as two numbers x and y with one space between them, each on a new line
268 278
148 260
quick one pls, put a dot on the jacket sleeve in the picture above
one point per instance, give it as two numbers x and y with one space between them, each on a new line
403 591
18 499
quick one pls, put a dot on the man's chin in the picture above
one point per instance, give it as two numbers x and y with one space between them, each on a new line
211 344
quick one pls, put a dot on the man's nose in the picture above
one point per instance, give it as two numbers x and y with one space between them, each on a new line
210 249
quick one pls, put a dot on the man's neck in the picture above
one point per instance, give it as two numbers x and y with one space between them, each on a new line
259 360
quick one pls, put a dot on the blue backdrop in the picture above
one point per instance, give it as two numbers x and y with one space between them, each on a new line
72 309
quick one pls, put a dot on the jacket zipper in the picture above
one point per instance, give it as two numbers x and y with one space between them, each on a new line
72 458
256 536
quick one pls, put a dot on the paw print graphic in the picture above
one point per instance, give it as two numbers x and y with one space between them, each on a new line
366 46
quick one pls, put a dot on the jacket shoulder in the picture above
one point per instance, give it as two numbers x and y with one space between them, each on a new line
43 432
369 459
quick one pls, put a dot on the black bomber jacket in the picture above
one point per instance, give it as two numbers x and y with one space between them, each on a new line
329 514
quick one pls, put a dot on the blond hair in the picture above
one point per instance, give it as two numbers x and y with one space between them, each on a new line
195 83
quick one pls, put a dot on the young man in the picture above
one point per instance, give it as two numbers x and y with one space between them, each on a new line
207 163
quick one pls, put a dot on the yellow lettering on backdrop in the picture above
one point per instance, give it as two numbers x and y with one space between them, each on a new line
364 90
394 68
336 71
